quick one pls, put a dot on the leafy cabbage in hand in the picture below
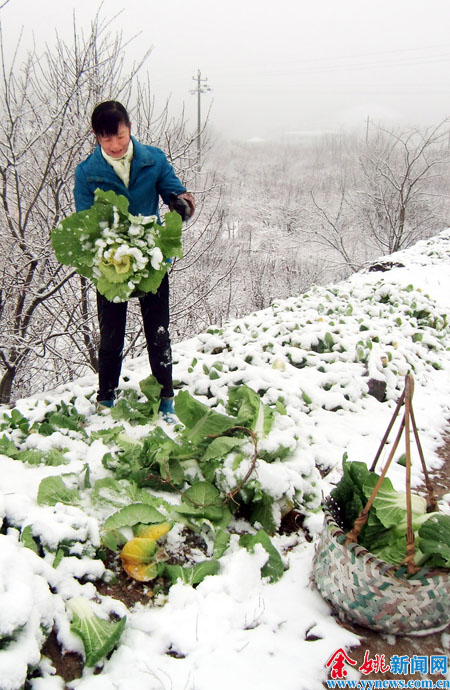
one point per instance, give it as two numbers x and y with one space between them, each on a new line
119 252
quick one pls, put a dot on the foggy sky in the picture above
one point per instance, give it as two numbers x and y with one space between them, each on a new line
279 66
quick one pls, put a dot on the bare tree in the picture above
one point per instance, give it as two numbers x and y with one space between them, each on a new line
396 196
45 105
47 312
332 223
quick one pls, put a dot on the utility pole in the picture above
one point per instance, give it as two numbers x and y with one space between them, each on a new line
202 87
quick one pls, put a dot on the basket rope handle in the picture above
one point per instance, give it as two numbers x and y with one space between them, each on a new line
408 418
400 402
361 520
409 558
432 505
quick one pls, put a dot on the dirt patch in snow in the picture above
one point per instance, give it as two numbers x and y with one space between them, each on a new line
69 665
127 590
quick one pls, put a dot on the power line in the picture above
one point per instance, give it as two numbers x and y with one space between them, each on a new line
313 65
398 55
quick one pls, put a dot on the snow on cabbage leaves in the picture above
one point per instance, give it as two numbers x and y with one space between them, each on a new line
122 254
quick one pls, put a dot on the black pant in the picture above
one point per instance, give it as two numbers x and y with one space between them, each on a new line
112 320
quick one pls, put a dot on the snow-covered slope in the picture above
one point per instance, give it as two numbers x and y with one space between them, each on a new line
314 360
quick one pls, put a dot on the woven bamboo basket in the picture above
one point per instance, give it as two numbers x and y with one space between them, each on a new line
365 590
369 592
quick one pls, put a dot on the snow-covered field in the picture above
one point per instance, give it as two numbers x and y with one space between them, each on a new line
311 359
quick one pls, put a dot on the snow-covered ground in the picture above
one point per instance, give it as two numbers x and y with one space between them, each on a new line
311 359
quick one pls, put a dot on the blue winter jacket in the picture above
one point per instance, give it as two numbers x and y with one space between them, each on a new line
151 176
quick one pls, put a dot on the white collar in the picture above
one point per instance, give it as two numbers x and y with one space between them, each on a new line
121 165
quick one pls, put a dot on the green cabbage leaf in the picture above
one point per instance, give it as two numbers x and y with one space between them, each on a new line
384 533
390 505
434 539
120 253
99 636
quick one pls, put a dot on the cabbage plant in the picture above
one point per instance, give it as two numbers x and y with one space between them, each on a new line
99 636
121 253
384 533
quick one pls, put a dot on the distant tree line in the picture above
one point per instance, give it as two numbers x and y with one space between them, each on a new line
317 209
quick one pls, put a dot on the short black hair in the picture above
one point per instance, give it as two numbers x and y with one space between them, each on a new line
107 117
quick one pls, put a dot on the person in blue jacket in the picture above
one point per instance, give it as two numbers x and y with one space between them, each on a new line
142 174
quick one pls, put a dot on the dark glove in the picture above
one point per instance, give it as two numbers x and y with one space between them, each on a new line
180 205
